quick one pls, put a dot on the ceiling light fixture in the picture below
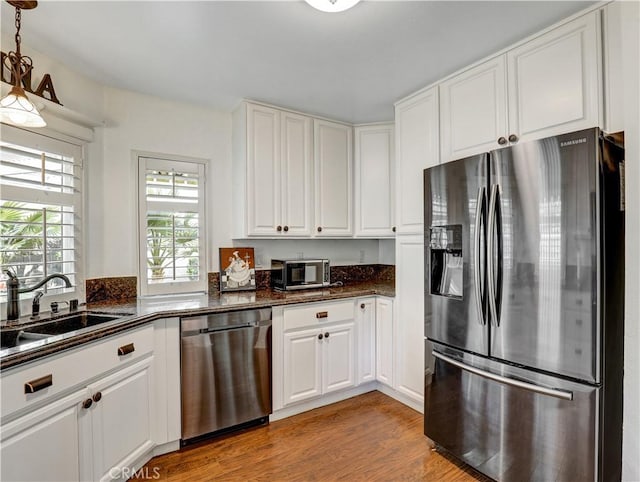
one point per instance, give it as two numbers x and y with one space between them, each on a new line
332 6
15 107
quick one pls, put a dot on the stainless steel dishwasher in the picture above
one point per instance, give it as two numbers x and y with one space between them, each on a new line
226 371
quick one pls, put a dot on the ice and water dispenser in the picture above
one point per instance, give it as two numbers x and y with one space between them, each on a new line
446 260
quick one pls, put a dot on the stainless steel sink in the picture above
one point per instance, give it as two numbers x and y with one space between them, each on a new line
12 337
71 323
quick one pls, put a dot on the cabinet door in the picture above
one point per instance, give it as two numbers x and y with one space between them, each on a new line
263 170
366 324
614 45
384 341
409 324
553 81
333 178
374 177
473 110
296 172
43 445
121 419
338 367
416 149
302 365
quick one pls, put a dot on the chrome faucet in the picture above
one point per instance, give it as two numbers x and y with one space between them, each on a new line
14 290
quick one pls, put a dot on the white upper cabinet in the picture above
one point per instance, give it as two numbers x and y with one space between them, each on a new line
553 81
296 174
473 110
333 147
374 174
544 87
263 170
417 148
272 172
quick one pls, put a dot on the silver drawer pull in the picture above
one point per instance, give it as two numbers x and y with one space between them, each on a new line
38 384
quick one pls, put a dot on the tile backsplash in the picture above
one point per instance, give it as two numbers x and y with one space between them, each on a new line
111 289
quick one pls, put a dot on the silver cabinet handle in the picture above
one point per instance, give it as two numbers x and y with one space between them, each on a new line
491 224
532 387
476 267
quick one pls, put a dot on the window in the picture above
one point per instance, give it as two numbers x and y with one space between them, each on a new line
172 227
40 209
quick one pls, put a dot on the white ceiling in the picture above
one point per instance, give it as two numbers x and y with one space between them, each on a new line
350 66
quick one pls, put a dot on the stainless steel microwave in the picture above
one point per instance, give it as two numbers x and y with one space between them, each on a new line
298 274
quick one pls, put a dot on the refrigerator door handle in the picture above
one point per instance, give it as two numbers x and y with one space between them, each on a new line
532 387
491 276
477 264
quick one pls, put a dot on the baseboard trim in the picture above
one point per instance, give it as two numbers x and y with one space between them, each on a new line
166 448
322 401
418 406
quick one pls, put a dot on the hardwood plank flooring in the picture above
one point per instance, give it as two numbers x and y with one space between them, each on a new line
371 437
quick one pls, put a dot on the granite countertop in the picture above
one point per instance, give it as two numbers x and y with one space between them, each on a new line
137 312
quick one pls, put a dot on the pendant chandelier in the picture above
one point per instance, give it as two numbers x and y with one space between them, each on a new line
15 107
332 6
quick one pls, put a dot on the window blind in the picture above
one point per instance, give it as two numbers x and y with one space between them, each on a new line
171 226
40 204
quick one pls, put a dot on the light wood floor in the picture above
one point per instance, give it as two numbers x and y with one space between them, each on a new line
367 438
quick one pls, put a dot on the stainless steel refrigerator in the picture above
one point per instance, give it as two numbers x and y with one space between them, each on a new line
524 259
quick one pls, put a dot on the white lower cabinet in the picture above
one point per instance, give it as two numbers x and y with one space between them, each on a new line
44 445
319 350
366 336
120 420
302 365
338 357
71 428
96 433
318 361
384 341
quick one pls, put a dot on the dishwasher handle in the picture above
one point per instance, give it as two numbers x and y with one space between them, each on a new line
205 331
225 328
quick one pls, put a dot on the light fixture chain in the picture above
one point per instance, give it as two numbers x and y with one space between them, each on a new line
18 38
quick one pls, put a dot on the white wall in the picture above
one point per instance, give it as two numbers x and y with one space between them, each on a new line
631 78
387 251
338 251
145 123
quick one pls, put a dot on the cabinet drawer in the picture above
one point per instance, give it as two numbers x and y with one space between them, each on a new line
316 314
55 375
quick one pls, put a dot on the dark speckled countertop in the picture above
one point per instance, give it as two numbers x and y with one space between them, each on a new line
138 312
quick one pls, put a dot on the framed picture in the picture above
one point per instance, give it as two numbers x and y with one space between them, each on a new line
237 269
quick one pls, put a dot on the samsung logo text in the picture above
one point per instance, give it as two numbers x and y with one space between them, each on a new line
573 142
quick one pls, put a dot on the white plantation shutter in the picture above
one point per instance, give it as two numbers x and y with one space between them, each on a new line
40 208
172 229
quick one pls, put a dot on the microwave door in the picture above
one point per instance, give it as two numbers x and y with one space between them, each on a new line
455 216
311 274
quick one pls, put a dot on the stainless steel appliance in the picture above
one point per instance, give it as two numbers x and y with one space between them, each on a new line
296 274
225 371
524 288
